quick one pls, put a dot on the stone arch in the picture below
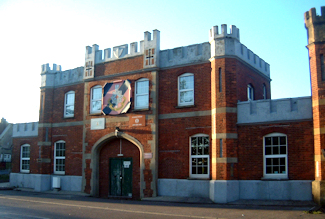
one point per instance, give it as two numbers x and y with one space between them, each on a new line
94 165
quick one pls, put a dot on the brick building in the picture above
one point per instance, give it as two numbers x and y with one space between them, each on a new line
190 121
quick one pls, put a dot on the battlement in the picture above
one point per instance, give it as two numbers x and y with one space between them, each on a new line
214 32
279 110
315 25
25 129
185 55
58 78
312 17
46 68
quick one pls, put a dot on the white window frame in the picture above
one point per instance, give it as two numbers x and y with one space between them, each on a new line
207 156
92 111
185 90
137 95
250 92
59 158
69 104
23 170
274 175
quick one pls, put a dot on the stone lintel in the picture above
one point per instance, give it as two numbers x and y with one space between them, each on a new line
225 136
44 160
227 160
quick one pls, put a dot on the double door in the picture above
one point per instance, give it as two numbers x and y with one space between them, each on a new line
120 177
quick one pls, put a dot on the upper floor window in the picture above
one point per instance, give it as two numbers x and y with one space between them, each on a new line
24 158
250 92
69 104
141 94
275 156
322 68
96 99
186 89
199 156
59 157
264 92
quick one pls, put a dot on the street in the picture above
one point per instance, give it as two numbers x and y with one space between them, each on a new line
31 205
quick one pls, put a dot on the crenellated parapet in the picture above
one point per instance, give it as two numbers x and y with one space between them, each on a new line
55 77
197 53
25 129
228 44
278 110
315 25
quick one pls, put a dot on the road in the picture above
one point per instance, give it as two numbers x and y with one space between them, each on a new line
30 205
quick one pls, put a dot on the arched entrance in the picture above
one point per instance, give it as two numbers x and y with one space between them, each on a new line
106 157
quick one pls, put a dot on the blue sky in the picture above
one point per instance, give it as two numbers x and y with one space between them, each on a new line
35 32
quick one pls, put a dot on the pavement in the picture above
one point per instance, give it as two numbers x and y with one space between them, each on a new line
282 203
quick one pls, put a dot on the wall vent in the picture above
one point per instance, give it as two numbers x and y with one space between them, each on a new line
56 183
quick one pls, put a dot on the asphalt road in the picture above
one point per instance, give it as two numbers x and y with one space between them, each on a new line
31 205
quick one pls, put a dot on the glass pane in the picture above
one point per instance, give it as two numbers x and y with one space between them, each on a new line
283 150
205 161
282 169
200 161
186 96
97 93
267 150
193 141
193 150
193 170
275 140
268 141
204 170
186 82
276 169
206 150
206 141
275 150
142 87
200 141
96 105
275 161
142 101
70 99
268 161
268 169
194 161
283 140
69 110
282 161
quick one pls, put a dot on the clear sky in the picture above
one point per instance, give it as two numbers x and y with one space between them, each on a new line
35 32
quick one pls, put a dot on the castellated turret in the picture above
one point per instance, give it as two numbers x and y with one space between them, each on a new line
315 25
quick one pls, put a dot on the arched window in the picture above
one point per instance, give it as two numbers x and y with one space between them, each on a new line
199 156
141 93
24 158
69 100
250 92
264 92
96 99
275 156
59 157
186 89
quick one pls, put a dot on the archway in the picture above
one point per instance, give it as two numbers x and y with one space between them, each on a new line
95 159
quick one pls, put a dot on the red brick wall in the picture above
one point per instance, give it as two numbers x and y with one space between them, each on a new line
246 75
110 151
173 151
118 66
15 158
168 88
300 149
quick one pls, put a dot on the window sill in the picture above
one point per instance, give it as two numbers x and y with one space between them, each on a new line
69 117
142 109
95 114
274 179
184 106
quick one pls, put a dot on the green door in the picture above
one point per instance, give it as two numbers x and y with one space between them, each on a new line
120 176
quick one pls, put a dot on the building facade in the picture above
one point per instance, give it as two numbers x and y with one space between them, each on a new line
194 121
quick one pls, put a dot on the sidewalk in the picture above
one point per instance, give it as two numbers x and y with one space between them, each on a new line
307 204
